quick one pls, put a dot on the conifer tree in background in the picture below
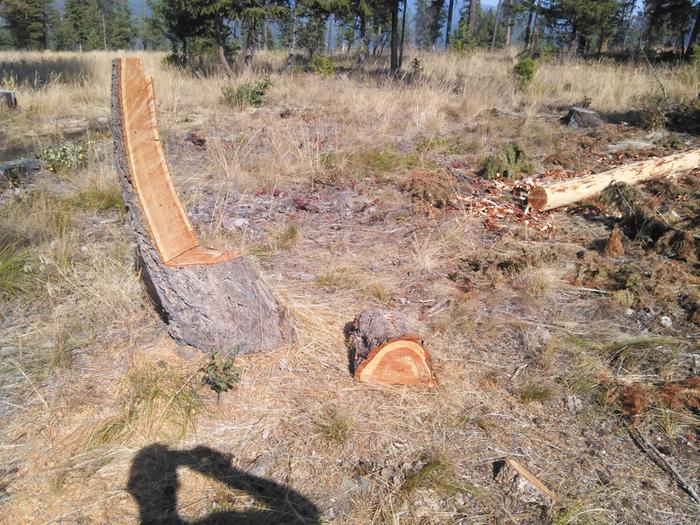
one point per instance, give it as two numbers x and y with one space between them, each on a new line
27 22
84 18
122 30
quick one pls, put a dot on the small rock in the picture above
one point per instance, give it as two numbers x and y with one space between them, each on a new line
574 404
235 223
262 465
197 138
666 321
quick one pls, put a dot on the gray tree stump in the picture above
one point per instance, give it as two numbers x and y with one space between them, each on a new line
578 117
8 99
219 306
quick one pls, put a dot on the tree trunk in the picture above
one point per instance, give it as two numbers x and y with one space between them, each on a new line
394 36
571 191
695 32
448 29
211 300
224 62
509 23
533 37
403 33
528 27
473 16
384 349
495 26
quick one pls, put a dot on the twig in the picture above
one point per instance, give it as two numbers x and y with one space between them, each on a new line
653 71
648 447
41 398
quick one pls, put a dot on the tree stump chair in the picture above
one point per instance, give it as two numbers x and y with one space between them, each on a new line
211 299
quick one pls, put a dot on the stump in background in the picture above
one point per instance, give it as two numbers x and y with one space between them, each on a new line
8 99
385 349
211 299
578 117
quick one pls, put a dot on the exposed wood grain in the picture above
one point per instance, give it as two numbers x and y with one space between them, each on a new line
384 349
553 196
210 299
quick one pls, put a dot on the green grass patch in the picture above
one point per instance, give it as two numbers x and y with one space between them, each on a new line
100 196
340 277
336 428
246 94
536 391
15 269
510 163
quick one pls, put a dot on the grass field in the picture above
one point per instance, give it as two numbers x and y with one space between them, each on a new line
352 190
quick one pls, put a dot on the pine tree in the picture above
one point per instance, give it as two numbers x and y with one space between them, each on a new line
27 22
122 28
85 19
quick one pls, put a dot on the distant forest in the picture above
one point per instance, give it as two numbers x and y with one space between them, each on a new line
230 28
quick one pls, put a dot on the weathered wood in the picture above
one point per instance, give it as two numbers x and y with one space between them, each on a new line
567 192
18 172
8 99
579 117
385 349
210 299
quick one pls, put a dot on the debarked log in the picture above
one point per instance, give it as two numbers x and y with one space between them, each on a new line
571 191
385 349
211 299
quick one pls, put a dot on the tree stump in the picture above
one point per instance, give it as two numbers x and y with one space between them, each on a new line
384 349
579 117
211 300
8 99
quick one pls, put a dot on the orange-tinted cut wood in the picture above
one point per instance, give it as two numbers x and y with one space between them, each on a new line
168 225
397 362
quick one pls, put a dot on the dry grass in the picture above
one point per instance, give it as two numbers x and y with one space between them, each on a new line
318 172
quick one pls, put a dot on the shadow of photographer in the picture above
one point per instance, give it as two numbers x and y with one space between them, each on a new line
153 483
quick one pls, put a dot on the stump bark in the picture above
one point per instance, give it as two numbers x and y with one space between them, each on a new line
578 117
8 99
210 299
385 349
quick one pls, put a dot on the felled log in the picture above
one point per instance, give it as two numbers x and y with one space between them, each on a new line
18 172
579 117
8 99
211 299
385 349
567 192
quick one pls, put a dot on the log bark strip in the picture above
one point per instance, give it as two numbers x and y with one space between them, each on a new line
544 198
209 304
385 349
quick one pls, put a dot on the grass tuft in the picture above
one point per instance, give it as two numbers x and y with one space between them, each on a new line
536 392
15 269
336 428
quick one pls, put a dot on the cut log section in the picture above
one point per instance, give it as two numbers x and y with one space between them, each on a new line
544 198
210 299
384 349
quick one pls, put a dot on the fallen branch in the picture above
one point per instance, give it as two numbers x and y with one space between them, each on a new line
647 446
567 192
